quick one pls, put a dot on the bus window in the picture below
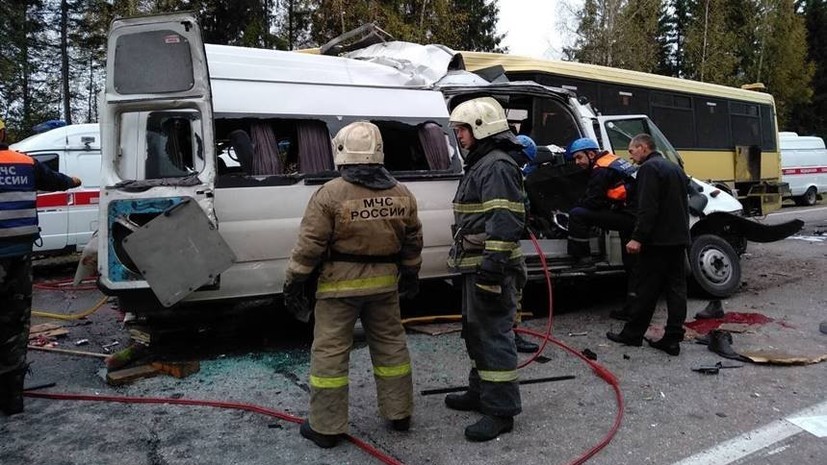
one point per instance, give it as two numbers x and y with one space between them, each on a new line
712 123
617 100
674 112
767 128
746 124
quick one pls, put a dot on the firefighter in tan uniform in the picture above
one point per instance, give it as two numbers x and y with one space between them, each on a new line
364 230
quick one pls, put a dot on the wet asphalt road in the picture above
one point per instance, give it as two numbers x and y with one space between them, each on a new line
670 413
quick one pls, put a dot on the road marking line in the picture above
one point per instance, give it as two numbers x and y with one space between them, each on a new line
753 441
798 212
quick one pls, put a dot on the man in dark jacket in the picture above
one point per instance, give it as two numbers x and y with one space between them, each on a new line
489 219
20 178
661 236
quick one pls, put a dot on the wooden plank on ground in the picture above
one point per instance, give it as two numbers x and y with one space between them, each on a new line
127 375
50 333
436 329
178 369
42 327
68 352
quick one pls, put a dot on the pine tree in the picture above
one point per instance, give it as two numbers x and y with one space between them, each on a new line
596 33
811 118
28 84
640 34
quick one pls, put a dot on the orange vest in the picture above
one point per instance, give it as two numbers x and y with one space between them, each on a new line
611 161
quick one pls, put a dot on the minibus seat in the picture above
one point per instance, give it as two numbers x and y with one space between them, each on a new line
243 147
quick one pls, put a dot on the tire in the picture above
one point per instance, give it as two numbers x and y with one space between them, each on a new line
715 266
809 198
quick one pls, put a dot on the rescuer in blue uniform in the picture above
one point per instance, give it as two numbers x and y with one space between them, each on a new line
20 178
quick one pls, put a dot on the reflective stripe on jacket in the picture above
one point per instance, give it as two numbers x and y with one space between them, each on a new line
618 191
18 197
353 220
489 214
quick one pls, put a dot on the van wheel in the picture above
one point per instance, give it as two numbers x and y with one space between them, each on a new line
809 198
715 266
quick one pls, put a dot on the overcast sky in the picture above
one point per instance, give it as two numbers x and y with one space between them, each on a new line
536 28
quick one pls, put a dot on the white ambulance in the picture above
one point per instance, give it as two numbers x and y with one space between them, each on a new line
67 219
803 166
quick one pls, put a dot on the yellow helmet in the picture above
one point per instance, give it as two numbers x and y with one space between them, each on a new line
358 143
484 115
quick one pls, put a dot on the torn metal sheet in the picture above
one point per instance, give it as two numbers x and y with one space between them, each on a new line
178 252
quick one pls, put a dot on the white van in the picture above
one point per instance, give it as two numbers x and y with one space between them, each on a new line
181 224
803 166
67 219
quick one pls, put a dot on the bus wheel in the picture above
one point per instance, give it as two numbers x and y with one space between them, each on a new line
715 266
809 198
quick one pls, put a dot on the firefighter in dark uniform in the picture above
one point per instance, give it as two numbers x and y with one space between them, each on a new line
607 203
364 230
20 178
489 219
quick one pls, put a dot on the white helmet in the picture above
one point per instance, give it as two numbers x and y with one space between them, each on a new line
358 143
484 115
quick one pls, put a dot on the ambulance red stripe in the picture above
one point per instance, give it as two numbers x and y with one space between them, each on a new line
806 170
61 199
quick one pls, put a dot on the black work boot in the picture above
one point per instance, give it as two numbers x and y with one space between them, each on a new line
325 441
524 346
401 424
584 265
624 339
666 344
489 427
464 402
11 401
713 309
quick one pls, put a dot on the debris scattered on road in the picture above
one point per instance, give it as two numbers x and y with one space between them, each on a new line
589 354
582 333
81 342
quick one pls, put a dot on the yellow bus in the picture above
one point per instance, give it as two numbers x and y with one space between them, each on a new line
725 135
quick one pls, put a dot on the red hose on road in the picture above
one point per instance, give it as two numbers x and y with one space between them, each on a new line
384 458
598 369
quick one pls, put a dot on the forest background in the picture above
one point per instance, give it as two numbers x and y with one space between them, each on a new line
52 52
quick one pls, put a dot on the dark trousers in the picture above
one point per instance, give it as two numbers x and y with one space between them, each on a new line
581 220
15 311
489 338
661 270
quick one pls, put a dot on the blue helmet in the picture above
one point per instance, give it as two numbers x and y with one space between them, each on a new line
578 145
529 147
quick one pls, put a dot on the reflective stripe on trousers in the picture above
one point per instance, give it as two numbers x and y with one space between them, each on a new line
489 339
330 355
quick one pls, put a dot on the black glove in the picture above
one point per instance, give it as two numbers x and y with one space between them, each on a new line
295 299
408 283
489 278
